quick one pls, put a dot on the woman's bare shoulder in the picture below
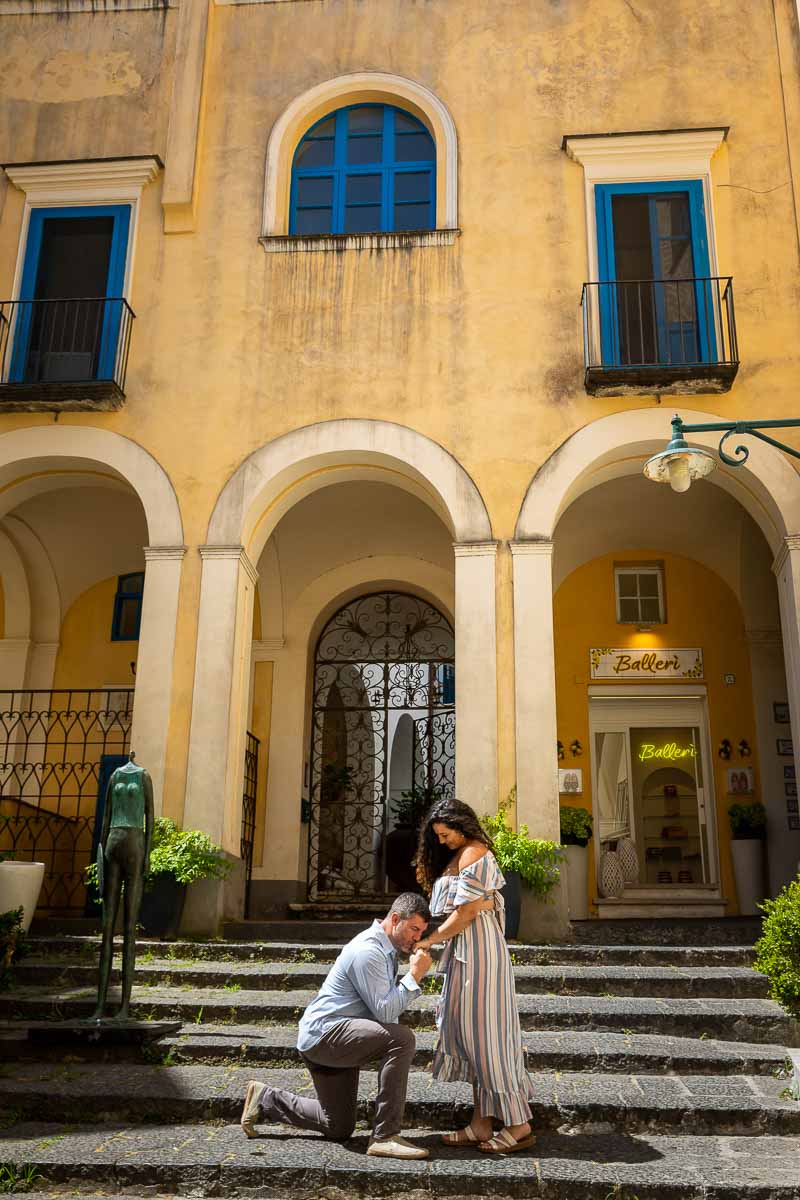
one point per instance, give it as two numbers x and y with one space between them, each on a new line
472 854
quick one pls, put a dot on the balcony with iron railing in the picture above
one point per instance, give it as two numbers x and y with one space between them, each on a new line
64 355
659 336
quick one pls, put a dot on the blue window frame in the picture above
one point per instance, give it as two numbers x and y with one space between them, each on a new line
656 297
71 253
366 168
128 608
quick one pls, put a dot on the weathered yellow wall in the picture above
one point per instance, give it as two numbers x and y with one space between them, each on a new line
476 345
701 611
2 611
87 657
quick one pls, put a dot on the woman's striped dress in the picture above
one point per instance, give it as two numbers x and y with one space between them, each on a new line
479 1033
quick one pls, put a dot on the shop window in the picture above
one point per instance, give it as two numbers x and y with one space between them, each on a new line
367 168
640 595
128 608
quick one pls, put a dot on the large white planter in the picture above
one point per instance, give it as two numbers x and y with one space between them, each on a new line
748 870
577 882
20 884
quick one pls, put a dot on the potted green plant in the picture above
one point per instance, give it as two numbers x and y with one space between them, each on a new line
178 858
12 943
531 866
778 948
748 833
576 831
401 842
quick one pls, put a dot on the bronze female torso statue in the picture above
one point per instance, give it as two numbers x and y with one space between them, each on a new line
123 861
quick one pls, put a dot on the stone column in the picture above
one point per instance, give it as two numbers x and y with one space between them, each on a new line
152 698
787 572
535 689
221 686
476 675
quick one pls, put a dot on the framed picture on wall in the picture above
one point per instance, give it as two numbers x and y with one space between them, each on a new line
788 771
791 804
790 789
780 712
570 780
784 747
794 820
740 781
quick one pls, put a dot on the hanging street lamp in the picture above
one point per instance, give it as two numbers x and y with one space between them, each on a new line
681 463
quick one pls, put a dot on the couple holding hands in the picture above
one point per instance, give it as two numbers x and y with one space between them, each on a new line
353 1020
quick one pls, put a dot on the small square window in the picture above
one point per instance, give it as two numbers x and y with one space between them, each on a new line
128 608
639 595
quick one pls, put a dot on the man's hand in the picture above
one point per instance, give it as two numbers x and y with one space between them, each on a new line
419 964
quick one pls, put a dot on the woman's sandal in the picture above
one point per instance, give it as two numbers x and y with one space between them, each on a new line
505 1143
463 1137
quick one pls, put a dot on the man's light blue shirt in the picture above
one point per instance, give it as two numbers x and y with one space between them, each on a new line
360 984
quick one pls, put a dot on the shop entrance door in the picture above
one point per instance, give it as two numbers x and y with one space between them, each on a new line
652 784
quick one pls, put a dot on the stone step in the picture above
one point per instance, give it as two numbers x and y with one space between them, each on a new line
732 1020
688 1104
275 1046
687 931
220 1161
86 949
530 980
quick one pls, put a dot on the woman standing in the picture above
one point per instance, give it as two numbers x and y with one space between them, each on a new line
479 1032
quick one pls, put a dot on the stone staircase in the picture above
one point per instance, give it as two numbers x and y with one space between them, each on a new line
659 1073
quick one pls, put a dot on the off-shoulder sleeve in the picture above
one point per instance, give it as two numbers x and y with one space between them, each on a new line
478 880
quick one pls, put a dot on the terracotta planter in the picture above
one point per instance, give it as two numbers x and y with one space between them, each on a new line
577 858
748 871
20 884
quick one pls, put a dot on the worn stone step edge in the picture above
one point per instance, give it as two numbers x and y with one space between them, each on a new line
747 1020
690 1104
571 1050
720 982
88 948
559 1167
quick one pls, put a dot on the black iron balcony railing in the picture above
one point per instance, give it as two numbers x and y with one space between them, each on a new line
64 354
659 335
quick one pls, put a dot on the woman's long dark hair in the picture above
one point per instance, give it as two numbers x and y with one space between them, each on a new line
432 857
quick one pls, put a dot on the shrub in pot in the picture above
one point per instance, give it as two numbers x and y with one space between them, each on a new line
748 831
576 830
401 842
178 858
531 866
778 948
12 944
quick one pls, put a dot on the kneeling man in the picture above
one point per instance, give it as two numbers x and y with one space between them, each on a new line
352 1021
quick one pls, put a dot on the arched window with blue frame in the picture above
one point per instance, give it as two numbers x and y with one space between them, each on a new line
367 168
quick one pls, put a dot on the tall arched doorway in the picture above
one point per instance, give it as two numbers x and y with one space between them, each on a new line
381 660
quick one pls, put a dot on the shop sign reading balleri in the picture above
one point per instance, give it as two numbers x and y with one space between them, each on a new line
627 662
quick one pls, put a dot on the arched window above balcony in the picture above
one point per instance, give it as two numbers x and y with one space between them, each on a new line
365 168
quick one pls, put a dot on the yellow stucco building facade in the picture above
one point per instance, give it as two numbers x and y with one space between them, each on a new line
335 337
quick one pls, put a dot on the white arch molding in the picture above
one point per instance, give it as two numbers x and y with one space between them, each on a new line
368 87
30 457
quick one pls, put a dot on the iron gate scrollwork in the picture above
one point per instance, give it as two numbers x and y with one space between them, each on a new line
383 722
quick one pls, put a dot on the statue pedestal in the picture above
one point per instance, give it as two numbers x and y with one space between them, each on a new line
100 1033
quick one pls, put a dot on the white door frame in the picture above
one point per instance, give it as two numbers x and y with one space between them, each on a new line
615 708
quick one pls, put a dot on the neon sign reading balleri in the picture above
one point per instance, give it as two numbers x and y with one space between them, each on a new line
669 752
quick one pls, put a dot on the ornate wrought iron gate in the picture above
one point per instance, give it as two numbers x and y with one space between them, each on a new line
381 658
249 793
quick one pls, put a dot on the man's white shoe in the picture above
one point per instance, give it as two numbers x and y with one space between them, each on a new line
251 1110
395 1147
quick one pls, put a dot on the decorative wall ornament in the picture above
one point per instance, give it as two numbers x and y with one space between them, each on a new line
724 750
560 750
780 712
575 748
784 747
744 749
570 780
611 881
740 781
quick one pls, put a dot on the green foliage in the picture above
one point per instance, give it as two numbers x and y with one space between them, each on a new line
778 948
17 1179
536 861
576 826
336 781
748 821
12 944
187 854
413 805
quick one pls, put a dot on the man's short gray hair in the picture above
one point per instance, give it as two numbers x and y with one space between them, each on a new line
411 904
